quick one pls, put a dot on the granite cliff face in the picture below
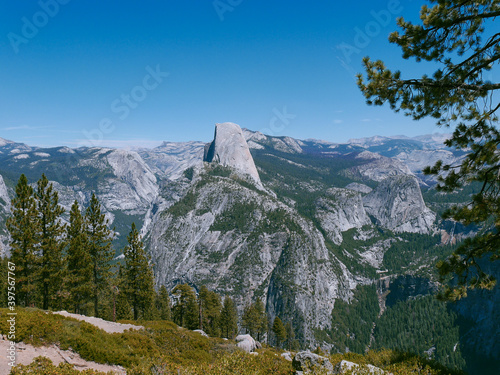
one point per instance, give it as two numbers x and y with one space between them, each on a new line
230 149
4 212
397 204
245 243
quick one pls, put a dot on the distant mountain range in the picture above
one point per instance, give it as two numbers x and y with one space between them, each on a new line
306 225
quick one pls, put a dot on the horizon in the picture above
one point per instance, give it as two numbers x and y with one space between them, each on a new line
129 74
160 143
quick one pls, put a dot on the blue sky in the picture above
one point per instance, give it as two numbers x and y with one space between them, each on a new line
135 73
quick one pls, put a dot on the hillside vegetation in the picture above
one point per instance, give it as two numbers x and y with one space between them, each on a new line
164 348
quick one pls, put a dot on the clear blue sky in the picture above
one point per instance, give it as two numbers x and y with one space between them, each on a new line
97 70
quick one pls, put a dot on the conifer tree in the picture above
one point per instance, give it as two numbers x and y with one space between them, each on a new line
4 263
462 38
51 241
254 319
122 308
229 318
138 275
79 262
279 331
163 304
101 253
290 334
210 309
185 310
23 227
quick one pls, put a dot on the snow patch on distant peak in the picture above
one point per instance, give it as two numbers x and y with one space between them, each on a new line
42 154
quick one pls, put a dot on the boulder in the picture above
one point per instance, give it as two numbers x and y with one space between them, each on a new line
246 342
287 356
310 363
344 367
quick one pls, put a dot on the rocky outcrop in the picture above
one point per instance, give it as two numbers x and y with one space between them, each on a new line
246 342
171 159
340 210
244 243
377 167
139 186
397 204
229 148
310 363
347 367
4 196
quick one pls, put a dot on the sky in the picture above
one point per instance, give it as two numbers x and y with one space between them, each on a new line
136 73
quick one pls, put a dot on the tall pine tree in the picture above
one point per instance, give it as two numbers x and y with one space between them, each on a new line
79 261
185 310
51 242
100 250
209 307
163 304
23 227
229 319
138 275
279 331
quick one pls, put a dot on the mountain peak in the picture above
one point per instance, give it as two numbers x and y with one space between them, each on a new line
229 148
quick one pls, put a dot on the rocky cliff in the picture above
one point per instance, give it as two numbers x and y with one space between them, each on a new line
230 149
397 204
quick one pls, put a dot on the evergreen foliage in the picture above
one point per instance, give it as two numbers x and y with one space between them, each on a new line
423 326
79 262
210 307
163 304
229 318
185 310
100 250
51 270
352 323
254 319
279 331
461 37
23 227
138 275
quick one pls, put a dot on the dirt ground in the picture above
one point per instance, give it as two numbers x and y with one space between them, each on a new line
26 353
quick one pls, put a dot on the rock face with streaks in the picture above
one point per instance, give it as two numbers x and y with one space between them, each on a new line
397 204
229 148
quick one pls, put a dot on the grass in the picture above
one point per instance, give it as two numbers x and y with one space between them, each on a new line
164 348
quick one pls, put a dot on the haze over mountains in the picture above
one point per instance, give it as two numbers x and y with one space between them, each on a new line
303 224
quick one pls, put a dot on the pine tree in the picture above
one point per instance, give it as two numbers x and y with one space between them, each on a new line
185 309
254 319
462 38
79 262
4 264
121 304
138 275
51 241
23 227
163 304
210 310
279 331
229 318
290 334
101 253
